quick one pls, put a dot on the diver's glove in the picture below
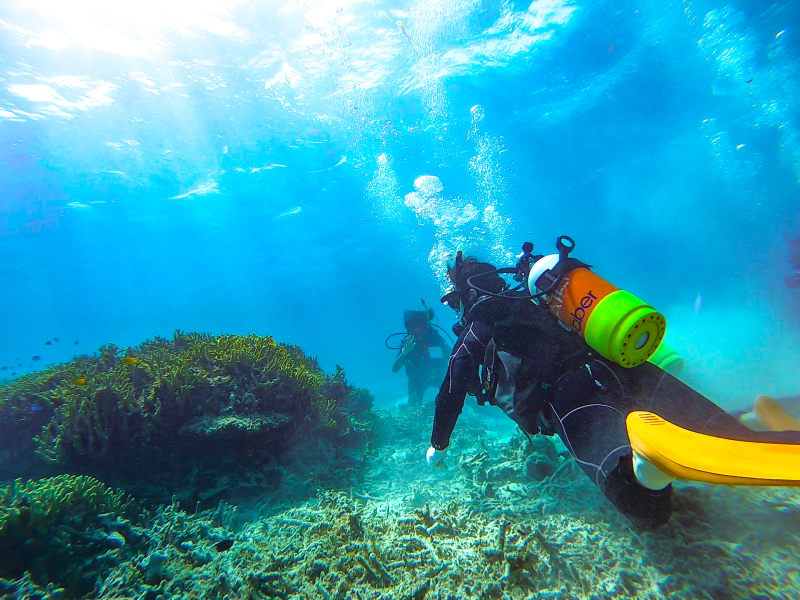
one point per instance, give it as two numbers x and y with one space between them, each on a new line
434 457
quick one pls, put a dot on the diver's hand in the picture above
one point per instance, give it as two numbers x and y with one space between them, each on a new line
434 457
408 345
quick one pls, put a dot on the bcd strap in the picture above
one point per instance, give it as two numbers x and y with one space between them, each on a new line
549 280
488 374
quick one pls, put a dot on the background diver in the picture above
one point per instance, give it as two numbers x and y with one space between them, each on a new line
423 352
521 351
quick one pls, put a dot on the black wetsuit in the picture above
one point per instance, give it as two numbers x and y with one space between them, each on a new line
560 386
422 370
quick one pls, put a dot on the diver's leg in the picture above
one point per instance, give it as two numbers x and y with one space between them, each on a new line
415 391
589 421
434 377
647 387
430 377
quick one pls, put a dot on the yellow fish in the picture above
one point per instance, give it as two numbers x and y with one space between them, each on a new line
402 27
80 381
129 360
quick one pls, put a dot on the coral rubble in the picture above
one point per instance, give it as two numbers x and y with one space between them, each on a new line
505 518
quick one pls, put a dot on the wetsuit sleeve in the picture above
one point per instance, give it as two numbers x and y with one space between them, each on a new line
399 361
462 375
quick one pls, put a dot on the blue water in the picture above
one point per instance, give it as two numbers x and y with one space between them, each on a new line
228 167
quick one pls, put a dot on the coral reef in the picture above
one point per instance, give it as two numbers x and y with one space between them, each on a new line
225 428
437 536
61 532
332 500
198 402
507 518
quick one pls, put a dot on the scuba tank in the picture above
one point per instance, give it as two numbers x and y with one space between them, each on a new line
666 358
612 321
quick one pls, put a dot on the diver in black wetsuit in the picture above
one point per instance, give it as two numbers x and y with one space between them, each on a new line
423 368
514 354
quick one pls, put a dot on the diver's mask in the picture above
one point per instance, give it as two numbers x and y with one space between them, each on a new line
452 299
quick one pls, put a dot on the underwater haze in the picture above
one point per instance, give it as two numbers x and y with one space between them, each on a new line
246 167
307 170
250 168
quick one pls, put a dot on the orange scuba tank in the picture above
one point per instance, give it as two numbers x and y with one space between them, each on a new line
614 322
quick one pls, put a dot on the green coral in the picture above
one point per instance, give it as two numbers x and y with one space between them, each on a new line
118 409
61 531
231 427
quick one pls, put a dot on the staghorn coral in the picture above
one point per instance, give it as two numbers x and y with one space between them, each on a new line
27 589
74 537
232 427
425 534
29 402
59 532
121 409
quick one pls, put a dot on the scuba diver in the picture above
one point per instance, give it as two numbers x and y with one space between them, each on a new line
423 353
565 352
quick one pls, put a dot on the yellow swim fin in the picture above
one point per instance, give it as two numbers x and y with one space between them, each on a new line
774 416
684 454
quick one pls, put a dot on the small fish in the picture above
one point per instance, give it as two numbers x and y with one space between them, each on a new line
292 211
55 339
76 342
3 368
36 357
47 343
80 381
130 360
402 27
224 545
36 408
698 303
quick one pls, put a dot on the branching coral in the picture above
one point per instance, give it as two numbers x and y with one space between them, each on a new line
59 530
122 408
